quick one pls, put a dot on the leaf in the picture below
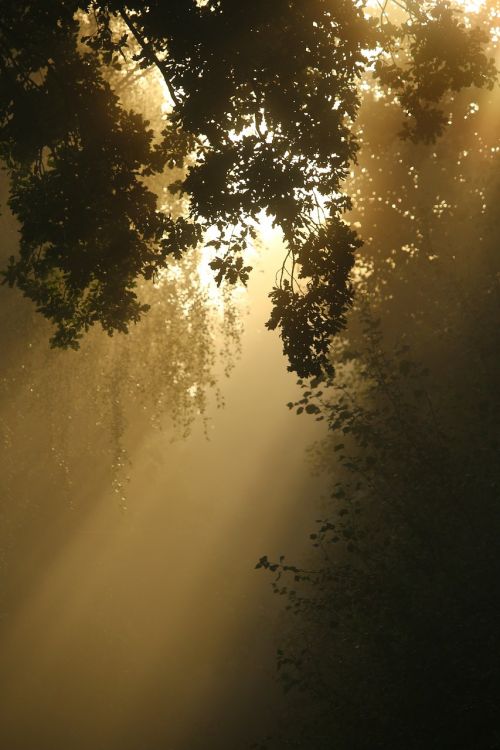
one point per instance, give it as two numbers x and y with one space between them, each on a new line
312 409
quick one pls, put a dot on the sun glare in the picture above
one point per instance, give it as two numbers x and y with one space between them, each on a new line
471 6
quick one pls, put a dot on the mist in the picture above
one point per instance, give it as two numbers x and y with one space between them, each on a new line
201 550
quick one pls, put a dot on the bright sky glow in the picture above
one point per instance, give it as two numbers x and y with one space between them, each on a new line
471 6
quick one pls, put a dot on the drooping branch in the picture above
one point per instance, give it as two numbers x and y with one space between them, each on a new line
151 54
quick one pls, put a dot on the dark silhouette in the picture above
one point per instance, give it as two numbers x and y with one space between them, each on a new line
265 98
397 609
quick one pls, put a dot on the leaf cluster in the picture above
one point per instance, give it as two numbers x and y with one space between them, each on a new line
265 97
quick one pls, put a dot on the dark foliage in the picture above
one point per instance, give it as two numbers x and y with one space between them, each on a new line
395 640
265 97
389 638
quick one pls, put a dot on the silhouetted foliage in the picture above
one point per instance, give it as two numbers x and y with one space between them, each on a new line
396 616
264 99
393 639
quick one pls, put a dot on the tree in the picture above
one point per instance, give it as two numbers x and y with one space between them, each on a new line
265 97
390 635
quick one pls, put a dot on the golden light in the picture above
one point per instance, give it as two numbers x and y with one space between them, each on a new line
471 6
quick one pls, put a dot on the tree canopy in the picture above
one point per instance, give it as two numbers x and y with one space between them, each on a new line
264 104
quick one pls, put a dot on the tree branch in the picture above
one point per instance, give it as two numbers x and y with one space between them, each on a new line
151 54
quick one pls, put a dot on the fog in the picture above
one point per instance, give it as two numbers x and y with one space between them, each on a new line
144 475
135 618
